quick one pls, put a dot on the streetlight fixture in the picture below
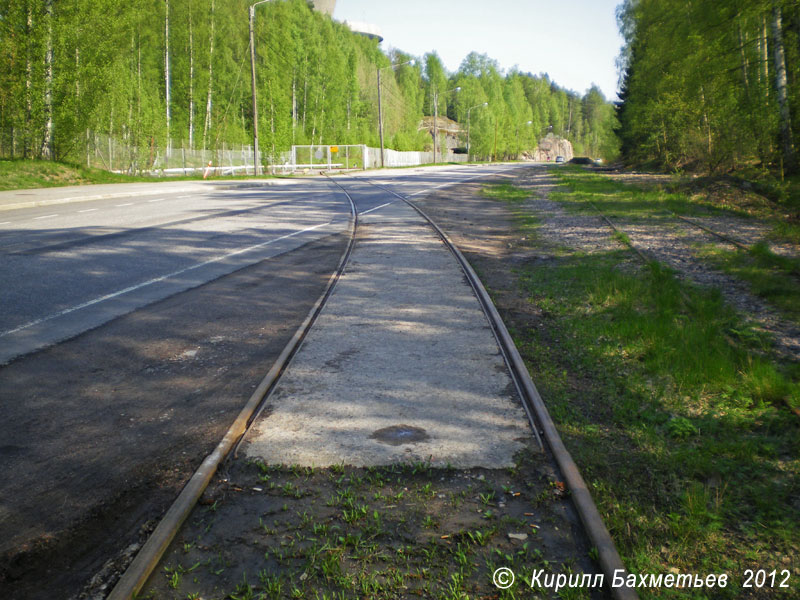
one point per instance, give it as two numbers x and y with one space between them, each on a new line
380 109
436 115
468 111
253 74
518 126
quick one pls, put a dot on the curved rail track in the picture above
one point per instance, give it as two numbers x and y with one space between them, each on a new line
136 575
541 424
726 238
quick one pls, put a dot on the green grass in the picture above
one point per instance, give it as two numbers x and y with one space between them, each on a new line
505 191
28 174
670 403
25 174
618 199
770 276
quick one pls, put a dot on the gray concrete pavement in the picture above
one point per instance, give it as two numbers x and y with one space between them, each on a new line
401 365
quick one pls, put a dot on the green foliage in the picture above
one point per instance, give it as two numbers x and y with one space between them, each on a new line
699 82
316 84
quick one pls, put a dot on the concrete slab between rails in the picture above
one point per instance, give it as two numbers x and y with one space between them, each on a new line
400 366
31 198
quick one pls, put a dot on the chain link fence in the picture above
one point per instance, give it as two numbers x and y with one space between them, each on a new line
112 154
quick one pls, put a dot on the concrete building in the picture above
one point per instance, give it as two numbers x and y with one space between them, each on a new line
324 6
366 29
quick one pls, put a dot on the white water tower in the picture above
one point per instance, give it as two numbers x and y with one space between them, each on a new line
324 6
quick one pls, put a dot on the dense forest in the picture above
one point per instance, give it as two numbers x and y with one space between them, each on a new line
710 85
153 74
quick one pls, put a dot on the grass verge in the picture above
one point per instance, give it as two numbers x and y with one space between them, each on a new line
670 404
28 174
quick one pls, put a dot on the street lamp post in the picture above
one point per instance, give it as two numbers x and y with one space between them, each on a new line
518 126
468 111
380 109
436 115
253 78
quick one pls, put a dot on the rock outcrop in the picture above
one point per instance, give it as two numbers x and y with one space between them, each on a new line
551 146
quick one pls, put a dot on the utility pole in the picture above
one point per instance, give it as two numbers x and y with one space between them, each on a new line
167 80
518 126
494 153
380 106
468 123
253 81
380 115
436 116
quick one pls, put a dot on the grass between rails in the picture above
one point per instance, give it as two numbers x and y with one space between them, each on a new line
669 403
772 277
658 202
399 531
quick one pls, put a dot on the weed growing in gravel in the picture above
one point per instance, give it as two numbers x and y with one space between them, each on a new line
670 403
775 278
382 532
505 191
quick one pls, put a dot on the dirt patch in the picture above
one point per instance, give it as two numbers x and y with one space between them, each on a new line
400 531
106 428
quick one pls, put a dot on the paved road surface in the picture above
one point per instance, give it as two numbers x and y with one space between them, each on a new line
154 317
69 268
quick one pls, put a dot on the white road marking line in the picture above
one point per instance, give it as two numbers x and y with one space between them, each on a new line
88 210
157 200
366 212
457 182
126 204
157 279
5 222
45 217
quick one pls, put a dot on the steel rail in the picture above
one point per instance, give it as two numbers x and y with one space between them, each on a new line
728 239
608 557
139 571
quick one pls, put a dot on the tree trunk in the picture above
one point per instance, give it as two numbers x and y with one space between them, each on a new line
305 100
742 41
781 89
139 80
272 121
294 104
764 54
47 142
569 123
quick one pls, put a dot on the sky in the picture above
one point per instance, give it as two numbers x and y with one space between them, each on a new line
575 42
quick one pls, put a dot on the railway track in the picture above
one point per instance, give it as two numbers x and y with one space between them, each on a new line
136 575
642 254
539 420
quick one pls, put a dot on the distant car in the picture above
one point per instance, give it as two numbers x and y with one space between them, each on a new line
559 159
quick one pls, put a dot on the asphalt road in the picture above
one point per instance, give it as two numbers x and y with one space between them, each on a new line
134 329
68 268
